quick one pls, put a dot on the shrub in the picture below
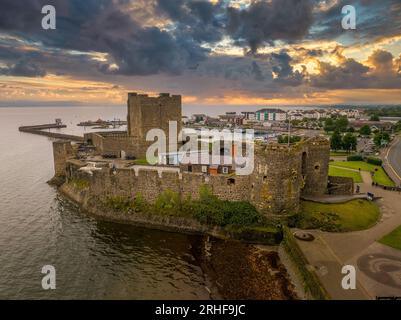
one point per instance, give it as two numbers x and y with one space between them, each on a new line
118 203
139 203
269 235
211 210
375 161
80 184
168 201
356 157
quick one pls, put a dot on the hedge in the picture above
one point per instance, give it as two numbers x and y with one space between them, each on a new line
356 157
268 235
375 161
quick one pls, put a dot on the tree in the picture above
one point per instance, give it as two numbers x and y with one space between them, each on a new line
398 126
284 139
374 117
329 125
341 124
365 130
335 141
351 129
349 142
381 138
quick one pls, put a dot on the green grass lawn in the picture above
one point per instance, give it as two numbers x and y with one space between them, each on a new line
393 239
339 172
353 215
144 161
380 175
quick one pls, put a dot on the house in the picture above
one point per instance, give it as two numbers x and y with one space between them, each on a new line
296 116
268 114
184 120
249 115
198 118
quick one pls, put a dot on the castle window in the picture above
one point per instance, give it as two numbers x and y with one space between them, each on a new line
204 169
264 178
225 170
231 181
317 167
189 168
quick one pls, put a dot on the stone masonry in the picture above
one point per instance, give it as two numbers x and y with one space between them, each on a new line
144 113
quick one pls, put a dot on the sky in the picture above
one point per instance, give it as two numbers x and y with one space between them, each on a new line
212 52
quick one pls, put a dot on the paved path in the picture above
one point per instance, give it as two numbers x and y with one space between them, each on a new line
378 266
328 266
335 199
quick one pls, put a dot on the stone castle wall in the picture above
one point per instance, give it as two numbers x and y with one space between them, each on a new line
281 176
341 186
150 184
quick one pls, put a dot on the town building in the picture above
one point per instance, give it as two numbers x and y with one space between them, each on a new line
271 115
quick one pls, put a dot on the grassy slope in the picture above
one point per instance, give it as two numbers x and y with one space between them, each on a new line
352 216
338 172
380 175
393 239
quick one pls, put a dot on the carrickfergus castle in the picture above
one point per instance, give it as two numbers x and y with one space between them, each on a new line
282 174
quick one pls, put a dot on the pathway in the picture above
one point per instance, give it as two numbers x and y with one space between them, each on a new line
378 267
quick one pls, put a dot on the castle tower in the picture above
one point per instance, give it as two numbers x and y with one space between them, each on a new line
146 113
315 166
62 150
276 180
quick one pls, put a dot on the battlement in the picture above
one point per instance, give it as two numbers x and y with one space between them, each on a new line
144 96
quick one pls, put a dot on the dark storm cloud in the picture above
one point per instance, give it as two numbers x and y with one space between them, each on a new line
23 69
257 71
198 20
263 22
138 45
102 26
375 19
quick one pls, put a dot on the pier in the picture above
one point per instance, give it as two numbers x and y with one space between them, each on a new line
39 129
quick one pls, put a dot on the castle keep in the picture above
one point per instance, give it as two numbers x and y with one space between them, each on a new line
144 113
282 174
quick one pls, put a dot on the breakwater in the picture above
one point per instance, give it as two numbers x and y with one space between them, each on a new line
39 129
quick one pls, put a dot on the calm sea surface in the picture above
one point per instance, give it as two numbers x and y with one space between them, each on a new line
93 259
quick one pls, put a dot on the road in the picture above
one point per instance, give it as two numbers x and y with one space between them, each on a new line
393 160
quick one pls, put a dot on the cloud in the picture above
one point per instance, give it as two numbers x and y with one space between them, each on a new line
23 69
103 26
198 20
375 20
351 74
194 46
264 22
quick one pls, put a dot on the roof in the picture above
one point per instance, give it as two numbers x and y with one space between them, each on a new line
270 110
